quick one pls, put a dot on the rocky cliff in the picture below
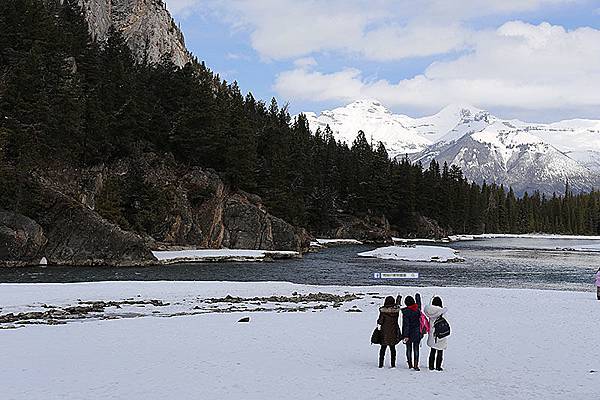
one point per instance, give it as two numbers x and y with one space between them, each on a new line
65 232
115 215
199 209
146 25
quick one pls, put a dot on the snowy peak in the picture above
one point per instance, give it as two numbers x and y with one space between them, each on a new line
458 112
452 122
368 105
401 134
378 123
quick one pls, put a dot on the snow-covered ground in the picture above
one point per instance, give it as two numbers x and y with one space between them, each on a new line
411 240
505 344
461 238
214 255
334 242
414 253
588 248
532 236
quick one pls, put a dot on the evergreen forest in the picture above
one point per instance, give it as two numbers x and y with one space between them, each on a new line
69 102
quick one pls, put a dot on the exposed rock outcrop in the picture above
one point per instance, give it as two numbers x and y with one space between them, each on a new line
199 210
146 25
366 229
429 228
79 236
66 232
204 212
21 239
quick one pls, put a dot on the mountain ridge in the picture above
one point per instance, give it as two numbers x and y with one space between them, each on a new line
527 156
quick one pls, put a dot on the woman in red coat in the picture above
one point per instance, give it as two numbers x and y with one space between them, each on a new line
390 331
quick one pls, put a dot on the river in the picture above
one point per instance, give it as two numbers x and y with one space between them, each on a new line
500 262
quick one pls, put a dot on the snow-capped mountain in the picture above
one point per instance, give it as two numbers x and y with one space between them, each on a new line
526 156
397 132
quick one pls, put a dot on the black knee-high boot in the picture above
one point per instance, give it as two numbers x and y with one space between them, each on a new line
381 355
440 357
393 354
432 359
409 354
416 356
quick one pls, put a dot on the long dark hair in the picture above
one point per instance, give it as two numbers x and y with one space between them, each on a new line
389 302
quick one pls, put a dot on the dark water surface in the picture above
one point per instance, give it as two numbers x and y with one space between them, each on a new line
513 263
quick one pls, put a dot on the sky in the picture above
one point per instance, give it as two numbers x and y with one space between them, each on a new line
536 60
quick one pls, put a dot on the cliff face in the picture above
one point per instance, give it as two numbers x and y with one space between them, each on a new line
69 226
66 232
200 210
146 25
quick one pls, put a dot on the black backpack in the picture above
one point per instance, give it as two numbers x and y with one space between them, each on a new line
441 328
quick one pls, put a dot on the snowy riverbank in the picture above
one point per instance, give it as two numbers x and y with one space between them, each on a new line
505 344
463 238
534 236
221 255
414 253
334 242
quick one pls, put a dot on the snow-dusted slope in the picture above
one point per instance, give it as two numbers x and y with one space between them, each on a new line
517 154
526 156
578 138
451 123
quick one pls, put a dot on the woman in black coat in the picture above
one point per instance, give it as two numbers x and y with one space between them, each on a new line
411 329
390 331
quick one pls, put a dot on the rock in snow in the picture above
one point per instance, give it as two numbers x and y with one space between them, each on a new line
414 253
526 156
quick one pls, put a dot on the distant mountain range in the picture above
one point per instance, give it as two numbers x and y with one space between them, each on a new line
527 156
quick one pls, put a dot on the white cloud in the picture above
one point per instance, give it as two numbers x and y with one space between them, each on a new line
305 62
380 30
518 66
182 7
464 9
237 56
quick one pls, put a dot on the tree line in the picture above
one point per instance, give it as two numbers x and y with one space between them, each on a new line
66 100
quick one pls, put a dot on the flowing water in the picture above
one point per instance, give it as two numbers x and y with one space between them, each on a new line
502 262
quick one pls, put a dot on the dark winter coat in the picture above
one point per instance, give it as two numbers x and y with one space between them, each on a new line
390 331
411 325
